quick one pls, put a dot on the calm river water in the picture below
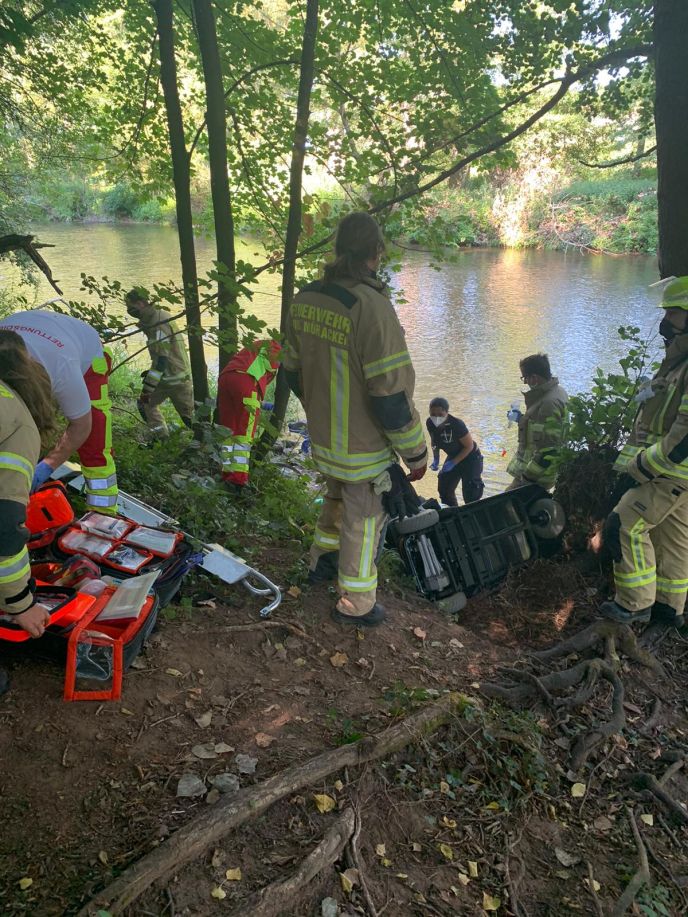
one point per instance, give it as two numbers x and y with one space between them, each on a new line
467 324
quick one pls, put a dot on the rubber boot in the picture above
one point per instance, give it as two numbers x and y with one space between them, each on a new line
666 615
325 570
375 616
4 681
615 612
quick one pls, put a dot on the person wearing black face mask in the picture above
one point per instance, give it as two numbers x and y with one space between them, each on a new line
464 460
647 532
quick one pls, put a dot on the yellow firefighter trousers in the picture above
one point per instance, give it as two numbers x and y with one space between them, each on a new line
653 537
180 394
351 521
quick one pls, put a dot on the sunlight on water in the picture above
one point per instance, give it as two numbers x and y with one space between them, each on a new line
467 325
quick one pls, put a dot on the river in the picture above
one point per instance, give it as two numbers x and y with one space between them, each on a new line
467 324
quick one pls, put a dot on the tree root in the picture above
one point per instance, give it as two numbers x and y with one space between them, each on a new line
641 876
278 897
650 783
357 862
205 829
606 637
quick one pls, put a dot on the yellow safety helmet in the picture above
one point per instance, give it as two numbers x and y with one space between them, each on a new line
675 294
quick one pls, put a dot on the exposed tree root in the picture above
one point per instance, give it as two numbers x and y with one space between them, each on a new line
357 862
606 637
278 898
641 876
652 785
198 835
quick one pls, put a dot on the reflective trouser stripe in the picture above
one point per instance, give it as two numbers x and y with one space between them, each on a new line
10 461
15 568
98 483
102 501
358 583
673 586
367 574
326 541
641 575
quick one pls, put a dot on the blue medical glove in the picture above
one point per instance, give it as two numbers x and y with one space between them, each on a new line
448 465
267 405
435 465
514 415
41 474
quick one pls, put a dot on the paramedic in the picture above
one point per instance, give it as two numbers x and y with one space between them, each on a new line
241 391
647 532
541 428
78 368
346 359
464 460
25 408
170 374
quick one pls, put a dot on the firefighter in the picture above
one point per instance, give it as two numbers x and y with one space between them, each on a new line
541 427
241 389
169 375
78 367
25 407
464 460
346 359
647 532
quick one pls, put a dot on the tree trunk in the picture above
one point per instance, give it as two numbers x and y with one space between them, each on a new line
182 195
219 181
671 123
298 154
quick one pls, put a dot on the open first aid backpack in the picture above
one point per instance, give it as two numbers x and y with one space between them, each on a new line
136 569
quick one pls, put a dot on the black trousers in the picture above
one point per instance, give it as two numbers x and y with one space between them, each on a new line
469 472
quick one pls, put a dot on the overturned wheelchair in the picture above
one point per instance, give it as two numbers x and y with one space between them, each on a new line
453 553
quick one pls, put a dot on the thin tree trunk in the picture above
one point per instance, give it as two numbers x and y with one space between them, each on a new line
182 195
671 123
298 155
216 120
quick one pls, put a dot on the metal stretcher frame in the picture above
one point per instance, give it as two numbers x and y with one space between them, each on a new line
217 561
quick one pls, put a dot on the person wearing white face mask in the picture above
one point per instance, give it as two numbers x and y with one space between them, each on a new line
464 460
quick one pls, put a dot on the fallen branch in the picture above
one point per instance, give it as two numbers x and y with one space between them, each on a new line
650 783
278 897
207 828
14 242
641 876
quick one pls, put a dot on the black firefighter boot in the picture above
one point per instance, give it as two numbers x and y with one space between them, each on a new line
325 570
666 616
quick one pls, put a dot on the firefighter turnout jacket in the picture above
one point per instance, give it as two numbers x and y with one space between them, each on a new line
346 359
648 529
540 433
19 450
170 363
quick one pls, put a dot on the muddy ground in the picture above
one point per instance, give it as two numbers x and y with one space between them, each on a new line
480 818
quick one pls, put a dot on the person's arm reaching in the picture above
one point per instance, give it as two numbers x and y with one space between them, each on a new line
467 445
74 436
547 436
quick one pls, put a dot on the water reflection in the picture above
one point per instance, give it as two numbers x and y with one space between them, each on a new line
467 324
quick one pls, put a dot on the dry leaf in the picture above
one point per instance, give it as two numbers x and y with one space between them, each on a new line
380 850
401 875
463 878
448 822
416 846
565 858
263 740
490 903
444 787
294 592
348 878
338 660
419 632
204 720
25 883
493 806
216 861
386 862
126 712
103 857
647 819
206 603
175 672
206 751
472 869
595 884
218 893
578 790
446 851
222 748
234 875
323 802
603 823
338 785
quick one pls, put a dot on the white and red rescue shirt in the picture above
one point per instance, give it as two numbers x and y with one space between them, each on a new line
66 347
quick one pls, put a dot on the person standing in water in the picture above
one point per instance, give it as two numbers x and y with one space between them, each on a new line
464 460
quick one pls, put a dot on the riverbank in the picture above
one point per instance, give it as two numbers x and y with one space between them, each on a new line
616 215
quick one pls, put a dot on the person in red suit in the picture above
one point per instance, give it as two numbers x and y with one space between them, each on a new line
240 392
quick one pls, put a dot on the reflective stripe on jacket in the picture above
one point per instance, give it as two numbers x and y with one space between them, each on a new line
658 444
19 450
346 358
540 433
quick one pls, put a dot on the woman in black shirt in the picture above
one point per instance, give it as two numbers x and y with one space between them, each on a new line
464 460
